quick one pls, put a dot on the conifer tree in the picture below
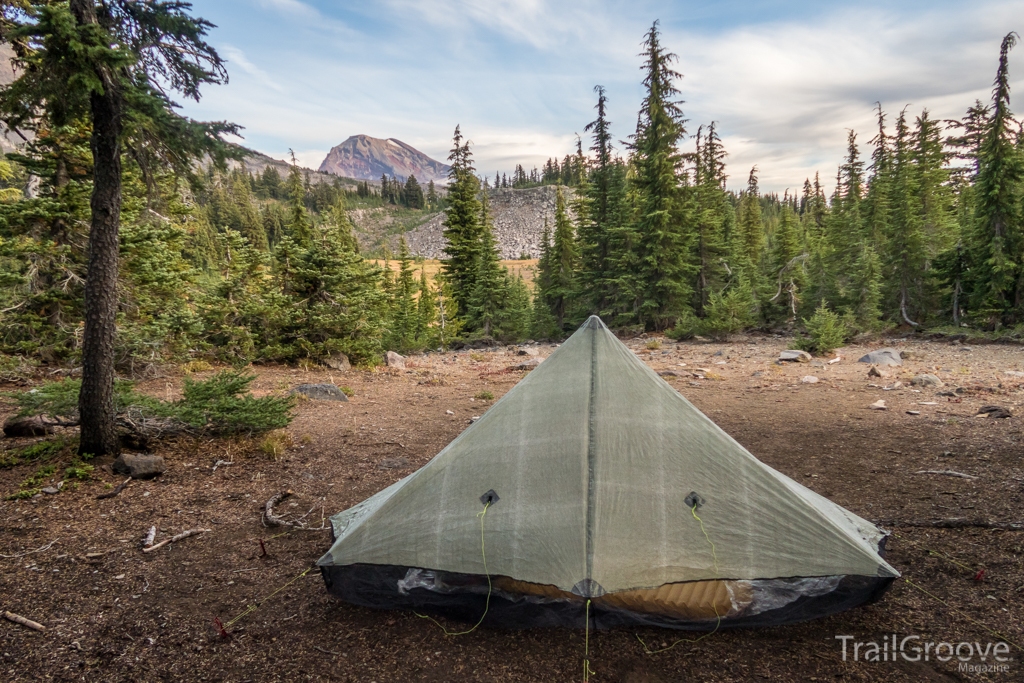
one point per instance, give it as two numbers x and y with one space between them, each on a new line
560 263
998 235
485 310
426 313
462 228
403 306
300 227
664 237
113 65
711 212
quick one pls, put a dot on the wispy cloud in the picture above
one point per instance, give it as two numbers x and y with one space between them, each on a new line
784 81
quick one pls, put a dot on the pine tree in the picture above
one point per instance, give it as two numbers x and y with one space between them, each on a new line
560 263
462 228
997 295
414 198
485 310
712 217
598 210
112 64
788 267
749 223
300 228
426 313
403 306
664 238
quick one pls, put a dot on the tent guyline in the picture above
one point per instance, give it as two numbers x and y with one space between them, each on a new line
598 461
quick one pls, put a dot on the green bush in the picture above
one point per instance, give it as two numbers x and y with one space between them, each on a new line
826 331
218 405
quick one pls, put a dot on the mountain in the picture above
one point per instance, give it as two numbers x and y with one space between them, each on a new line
366 158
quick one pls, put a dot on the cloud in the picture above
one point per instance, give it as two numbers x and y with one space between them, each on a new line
783 81
236 56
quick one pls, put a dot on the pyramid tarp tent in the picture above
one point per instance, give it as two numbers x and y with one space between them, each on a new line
601 483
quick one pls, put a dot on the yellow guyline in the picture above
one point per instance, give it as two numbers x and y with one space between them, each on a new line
487 604
714 556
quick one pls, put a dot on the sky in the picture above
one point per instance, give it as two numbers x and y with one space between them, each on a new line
784 81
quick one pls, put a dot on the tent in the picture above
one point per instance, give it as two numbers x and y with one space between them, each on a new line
594 490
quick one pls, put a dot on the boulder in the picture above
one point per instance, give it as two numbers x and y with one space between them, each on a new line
882 357
320 392
795 356
338 361
27 426
394 360
926 380
140 466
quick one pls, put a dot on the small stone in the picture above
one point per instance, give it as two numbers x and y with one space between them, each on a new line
528 351
669 373
875 372
913 412
926 380
394 360
27 426
338 361
910 354
882 357
1014 373
994 412
139 465
809 379
320 392
878 405
795 356
51 490
449 412
474 419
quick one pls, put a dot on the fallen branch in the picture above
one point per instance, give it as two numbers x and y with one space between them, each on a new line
222 463
18 619
954 523
117 489
30 552
271 518
947 473
172 539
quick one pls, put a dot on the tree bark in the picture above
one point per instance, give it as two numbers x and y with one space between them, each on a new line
96 398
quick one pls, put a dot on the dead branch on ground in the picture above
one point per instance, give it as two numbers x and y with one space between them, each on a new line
117 489
183 534
18 619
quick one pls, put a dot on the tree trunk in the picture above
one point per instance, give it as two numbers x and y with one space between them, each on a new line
96 398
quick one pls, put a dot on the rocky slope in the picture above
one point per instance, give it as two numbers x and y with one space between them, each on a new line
518 217
366 158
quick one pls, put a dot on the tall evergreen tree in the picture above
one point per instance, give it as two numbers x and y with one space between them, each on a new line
403 307
664 237
998 235
111 63
558 287
462 228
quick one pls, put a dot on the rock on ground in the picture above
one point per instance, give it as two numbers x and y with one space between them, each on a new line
321 392
795 356
27 426
926 380
882 357
338 361
139 466
394 360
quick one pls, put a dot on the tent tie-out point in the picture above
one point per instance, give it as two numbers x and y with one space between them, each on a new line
599 462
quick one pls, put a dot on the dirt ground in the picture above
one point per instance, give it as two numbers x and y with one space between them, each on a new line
114 613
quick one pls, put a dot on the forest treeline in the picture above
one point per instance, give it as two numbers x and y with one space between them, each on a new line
924 230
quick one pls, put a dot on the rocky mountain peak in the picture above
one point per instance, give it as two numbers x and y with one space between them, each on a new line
366 158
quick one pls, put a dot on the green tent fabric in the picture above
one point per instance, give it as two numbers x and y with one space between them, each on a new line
595 465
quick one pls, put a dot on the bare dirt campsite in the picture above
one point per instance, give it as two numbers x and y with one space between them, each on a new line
948 482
